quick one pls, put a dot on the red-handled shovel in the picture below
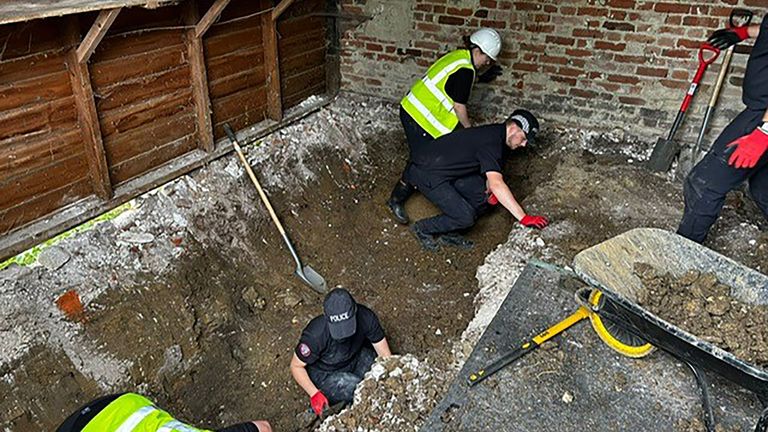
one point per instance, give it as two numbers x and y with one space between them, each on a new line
666 149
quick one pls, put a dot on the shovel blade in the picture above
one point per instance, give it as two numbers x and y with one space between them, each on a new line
663 155
312 278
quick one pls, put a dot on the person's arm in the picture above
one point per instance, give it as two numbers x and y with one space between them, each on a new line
299 373
262 425
754 31
504 195
765 116
382 348
461 113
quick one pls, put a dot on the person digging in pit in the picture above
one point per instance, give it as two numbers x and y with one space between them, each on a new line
437 102
130 412
336 349
739 153
461 174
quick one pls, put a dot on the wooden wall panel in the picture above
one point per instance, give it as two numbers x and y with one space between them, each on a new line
142 85
235 63
303 50
141 82
40 146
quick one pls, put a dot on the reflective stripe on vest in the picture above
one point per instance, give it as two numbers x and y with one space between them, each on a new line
428 103
134 413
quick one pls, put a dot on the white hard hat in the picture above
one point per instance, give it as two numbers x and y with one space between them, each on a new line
488 40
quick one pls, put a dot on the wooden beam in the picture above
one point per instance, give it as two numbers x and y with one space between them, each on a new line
96 33
210 17
198 77
87 116
277 11
271 63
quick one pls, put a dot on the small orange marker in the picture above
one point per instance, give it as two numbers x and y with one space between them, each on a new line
70 304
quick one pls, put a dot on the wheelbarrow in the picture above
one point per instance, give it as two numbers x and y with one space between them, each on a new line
608 268
609 304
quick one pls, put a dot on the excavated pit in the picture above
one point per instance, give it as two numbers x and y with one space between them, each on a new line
190 298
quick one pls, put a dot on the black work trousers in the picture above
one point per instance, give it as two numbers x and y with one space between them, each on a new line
712 178
462 201
339 386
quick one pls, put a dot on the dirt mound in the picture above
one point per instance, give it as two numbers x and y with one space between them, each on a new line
397 394
700 305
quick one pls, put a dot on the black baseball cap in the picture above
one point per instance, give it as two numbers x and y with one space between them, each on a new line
340 311
527 122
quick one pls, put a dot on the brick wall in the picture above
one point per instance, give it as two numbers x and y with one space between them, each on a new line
606 64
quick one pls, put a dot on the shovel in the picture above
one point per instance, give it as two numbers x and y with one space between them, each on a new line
306 273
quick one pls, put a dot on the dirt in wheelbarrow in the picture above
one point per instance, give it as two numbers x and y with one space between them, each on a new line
701 305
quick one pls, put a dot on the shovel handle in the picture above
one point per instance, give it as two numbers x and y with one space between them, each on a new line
231 134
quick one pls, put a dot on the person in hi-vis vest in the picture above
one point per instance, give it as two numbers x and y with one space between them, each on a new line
130 412
437 102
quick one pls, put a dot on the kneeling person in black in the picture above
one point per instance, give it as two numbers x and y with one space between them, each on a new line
458 171
336 349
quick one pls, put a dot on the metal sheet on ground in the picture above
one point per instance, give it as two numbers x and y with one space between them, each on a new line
576 382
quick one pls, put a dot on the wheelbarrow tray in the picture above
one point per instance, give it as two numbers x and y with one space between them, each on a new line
609 266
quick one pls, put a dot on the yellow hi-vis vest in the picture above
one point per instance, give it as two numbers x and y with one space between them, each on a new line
133 413
428 103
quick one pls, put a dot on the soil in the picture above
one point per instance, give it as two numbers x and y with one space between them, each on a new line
699 304
204 317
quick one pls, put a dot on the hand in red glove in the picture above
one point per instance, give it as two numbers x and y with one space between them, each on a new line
726 38
319 402
539 222
492 200
749 149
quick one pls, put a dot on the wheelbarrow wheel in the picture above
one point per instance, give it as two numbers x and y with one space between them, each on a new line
620 340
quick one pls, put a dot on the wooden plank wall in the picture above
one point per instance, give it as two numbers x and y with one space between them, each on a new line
140 75
303 46
42 162
141 82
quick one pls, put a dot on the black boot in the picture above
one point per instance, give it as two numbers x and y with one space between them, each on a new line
396 201
456 239
427 241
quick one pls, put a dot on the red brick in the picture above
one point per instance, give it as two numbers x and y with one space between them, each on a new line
592 11
652 72
439 9
423 7
622 4
582 93
624 79
603 45
427 27
426 45
581 32
674 84
559 40
493 24
491 4
567 80
631 100
672 8
620 26
624 58
676 53
374 47
681 75
529 67
373 82
641 38
611 87
542 18
550 9
568 10
578 52
571 72
553 59
459 12
527 6
699 21
540 28
689 43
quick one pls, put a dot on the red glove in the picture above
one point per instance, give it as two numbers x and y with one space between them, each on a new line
749 149
319 402
492 200
539 222
725 38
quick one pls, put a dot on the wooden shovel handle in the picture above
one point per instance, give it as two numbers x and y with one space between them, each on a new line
231 134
